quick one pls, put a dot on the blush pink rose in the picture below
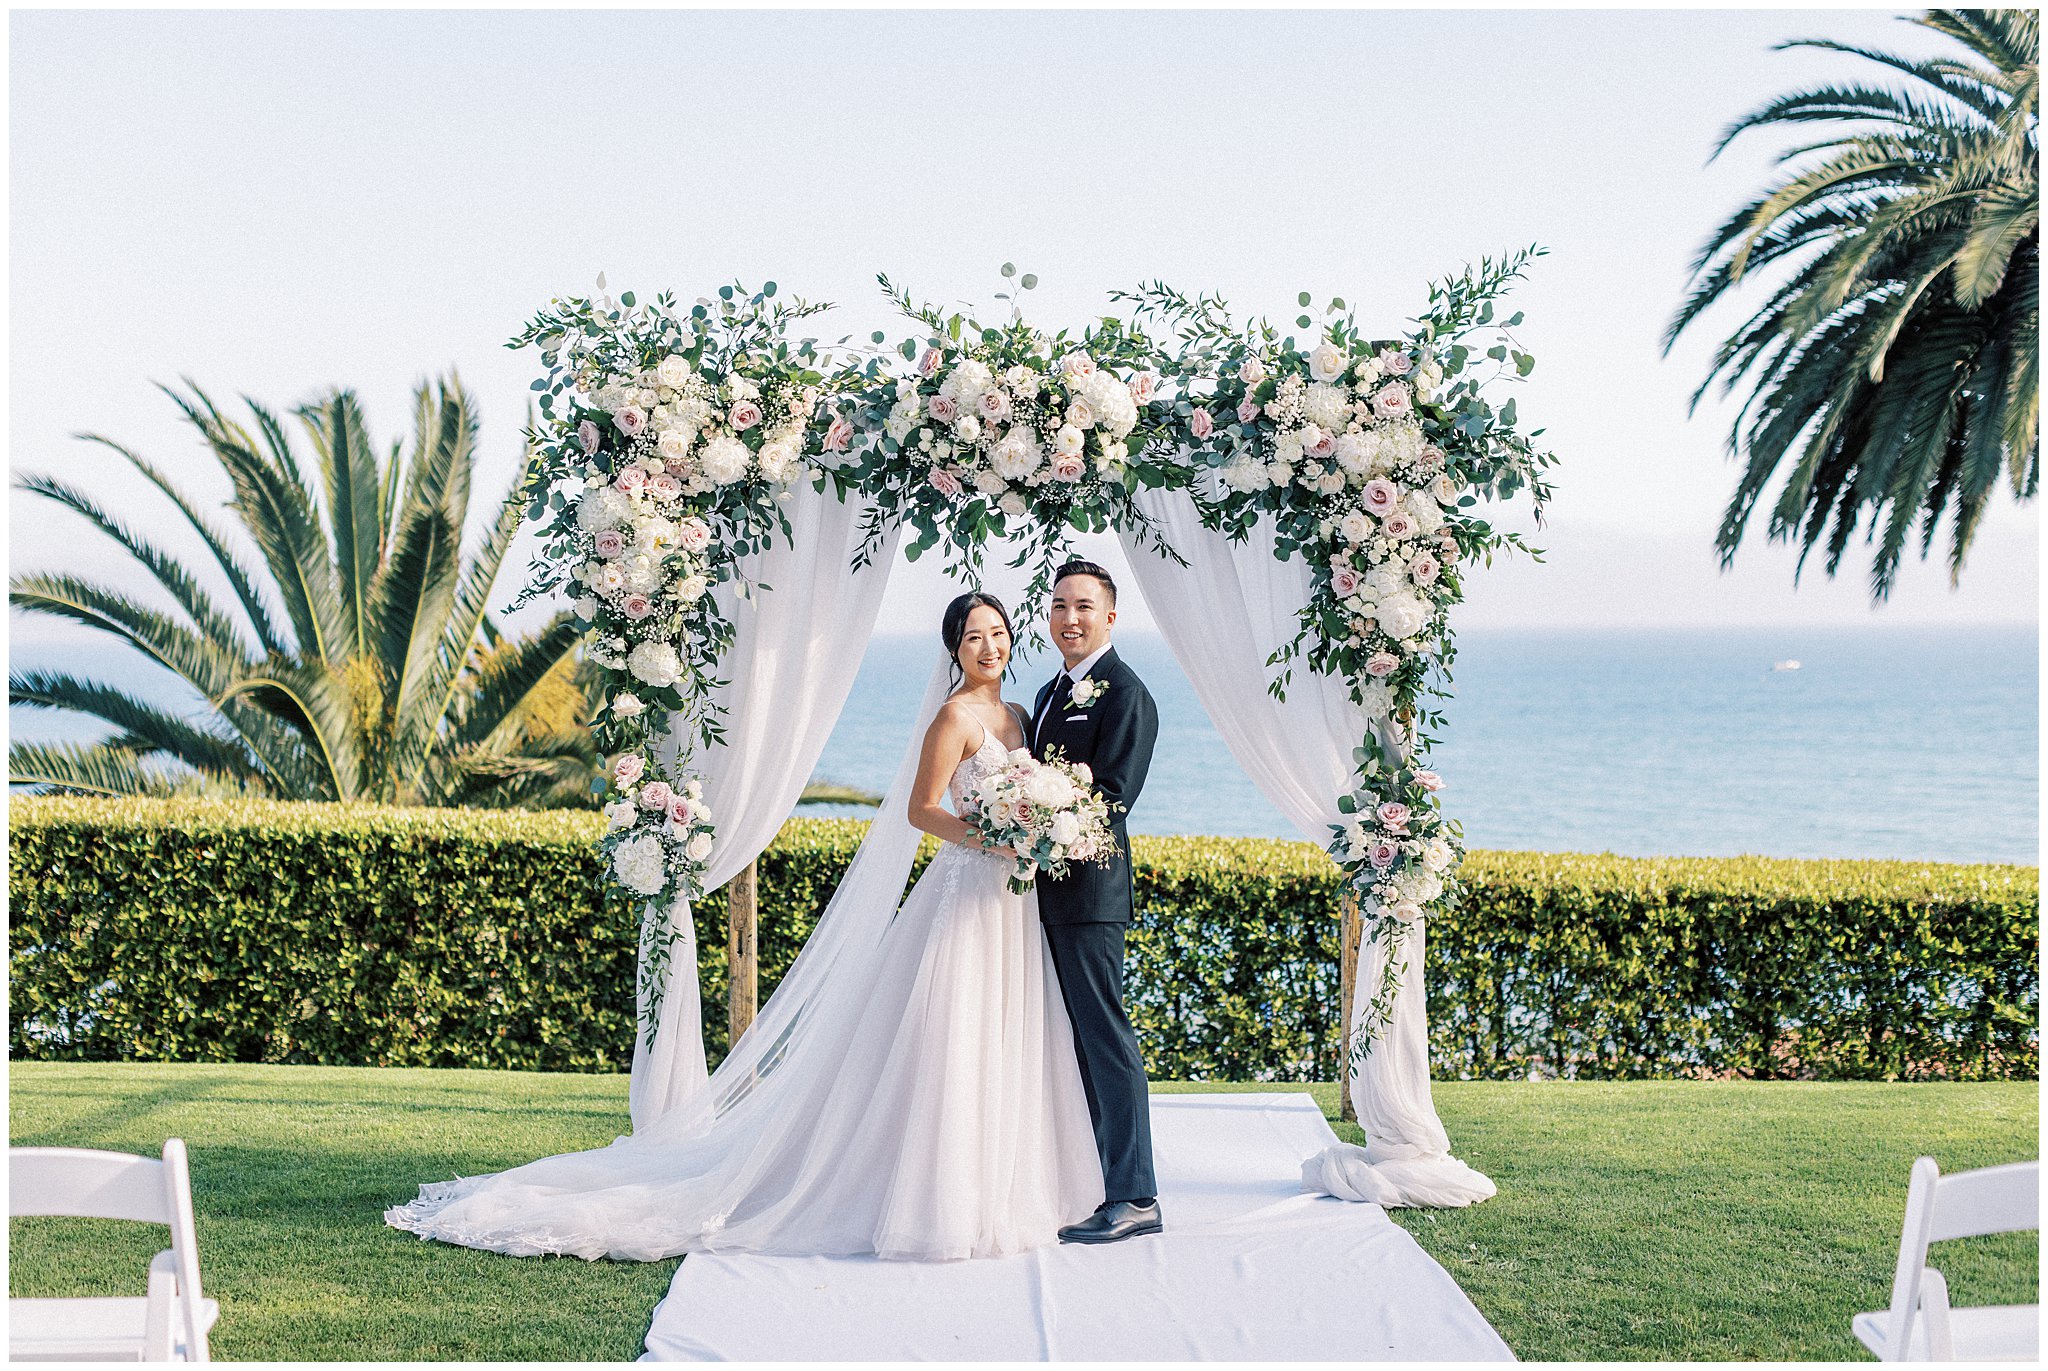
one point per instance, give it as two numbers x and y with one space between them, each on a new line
693 535
630 419
655 795
1382 664
1393 816
1399 524
636 606
1448 546
945 483
1397 363
610 543
1142 387
1078 364
1383 854
745 415
1431 460
1429 781
928 363
943 408
839 435
1068 467
679 811
664 487
628 768
631 481
1343 580
995 406
1083 848
586 434
1201 425
1026 812
1391 401
1247 410
1424 570
1381 495
1324 446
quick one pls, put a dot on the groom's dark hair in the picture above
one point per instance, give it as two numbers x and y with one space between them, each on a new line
1081 568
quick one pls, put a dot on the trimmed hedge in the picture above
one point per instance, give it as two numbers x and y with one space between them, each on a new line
255 931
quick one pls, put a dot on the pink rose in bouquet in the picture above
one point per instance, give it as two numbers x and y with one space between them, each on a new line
628 768
656 795
1382 664
1380 495
839 435
609 543
1201 425
943 409
744 415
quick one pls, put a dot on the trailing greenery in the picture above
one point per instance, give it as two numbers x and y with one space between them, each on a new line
1894 370
254 931
1638 1221
356 659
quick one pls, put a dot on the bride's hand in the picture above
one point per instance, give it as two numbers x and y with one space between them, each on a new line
973 843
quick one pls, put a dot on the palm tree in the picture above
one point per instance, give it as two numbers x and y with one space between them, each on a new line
360 664
1894 372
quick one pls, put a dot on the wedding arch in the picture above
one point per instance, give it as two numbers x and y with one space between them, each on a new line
723 502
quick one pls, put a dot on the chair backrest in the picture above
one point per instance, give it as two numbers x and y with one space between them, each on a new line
1969 1204
82 1183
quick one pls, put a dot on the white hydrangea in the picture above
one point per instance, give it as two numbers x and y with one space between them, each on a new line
1065 828
1419 884
1327 406
1014 456
1111 400
1403 615
640 865
655 664
603 508
725 459
1376 698
1427 513
1049 789
965 383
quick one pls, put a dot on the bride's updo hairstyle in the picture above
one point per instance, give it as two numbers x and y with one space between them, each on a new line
953 627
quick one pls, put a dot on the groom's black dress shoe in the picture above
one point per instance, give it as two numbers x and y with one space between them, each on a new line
1114 1223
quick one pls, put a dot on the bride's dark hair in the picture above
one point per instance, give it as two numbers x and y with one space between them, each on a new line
953 627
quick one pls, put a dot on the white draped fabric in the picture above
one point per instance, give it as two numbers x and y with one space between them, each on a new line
796 650
1223 615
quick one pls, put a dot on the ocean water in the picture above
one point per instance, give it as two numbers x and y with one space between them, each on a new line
1891 742
1908 743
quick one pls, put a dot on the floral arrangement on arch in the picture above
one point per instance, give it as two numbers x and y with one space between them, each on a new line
1005 431
1369 457
665 439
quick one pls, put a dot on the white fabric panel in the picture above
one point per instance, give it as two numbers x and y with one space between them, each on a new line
796 650
1248 1269
1223 615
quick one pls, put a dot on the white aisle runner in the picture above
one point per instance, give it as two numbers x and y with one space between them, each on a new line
1249 1268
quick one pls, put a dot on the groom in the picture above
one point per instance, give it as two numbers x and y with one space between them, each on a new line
1097 711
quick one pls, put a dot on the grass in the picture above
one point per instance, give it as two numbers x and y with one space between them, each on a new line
1639 1220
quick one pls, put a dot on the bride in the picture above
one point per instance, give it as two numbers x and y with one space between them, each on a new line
910 1089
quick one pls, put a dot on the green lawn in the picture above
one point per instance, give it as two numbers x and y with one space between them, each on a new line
1652 1221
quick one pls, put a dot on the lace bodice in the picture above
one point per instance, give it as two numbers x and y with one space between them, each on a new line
986 758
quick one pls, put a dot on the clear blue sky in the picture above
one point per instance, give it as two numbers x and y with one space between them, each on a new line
271 202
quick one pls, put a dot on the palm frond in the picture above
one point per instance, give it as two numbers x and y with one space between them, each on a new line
80 769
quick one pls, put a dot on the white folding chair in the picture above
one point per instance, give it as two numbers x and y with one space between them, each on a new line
170 1322
1920 1326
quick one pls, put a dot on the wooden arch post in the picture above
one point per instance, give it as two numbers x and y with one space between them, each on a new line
742 952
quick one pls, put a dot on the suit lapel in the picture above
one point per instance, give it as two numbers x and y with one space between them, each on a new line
1041 712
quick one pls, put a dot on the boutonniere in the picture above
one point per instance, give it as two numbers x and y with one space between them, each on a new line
1088 690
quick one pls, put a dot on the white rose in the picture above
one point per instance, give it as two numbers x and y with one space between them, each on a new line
1355 526
725 459
620 814
626 705
778 459
1066 826
700 847
1327 362
988 483
1436 854
692 587
1014 505
672 372
1069 441
1278 474
673 444
586 607
1022 381
967 428
655 664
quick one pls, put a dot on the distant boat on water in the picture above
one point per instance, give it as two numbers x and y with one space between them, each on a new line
1789 664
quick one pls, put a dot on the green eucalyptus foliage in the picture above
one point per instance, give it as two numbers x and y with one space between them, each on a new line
252 931
1894 369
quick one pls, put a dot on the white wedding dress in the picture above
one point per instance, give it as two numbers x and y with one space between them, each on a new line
921 1101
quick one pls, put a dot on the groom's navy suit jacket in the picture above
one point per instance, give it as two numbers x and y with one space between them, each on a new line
1114 736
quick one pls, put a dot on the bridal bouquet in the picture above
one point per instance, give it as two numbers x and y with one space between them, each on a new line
664 438
1049 811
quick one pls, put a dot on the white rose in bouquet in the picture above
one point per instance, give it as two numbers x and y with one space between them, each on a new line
620 814
1327 362
988 483
1068 441
1049 788
725 459
1014 505
700 846
1066 827
639 865
672 371
778 459
1436 854
1357 526
655 663
1023 382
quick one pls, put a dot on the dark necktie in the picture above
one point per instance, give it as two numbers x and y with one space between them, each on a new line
1045 711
